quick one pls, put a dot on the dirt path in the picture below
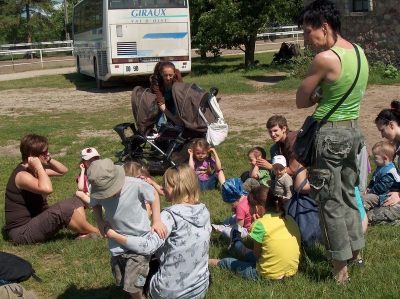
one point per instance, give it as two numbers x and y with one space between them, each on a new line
246 111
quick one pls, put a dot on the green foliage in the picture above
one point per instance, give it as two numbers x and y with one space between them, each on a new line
390 72
380 73
231 24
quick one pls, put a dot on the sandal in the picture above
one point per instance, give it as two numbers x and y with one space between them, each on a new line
355 262
96 235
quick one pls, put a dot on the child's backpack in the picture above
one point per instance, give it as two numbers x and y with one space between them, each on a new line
15 269
144 108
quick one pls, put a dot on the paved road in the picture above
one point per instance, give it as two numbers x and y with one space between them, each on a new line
35 73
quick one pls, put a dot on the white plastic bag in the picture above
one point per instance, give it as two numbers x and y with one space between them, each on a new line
217 132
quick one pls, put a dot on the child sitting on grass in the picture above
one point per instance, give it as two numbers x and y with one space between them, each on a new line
276 239
88 155
208 169
282 184
257 175
386 177
234 195
135 170
122 198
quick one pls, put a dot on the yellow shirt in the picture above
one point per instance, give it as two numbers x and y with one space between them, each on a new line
280 245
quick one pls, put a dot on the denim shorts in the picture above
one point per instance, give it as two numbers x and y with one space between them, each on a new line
246 269
332 181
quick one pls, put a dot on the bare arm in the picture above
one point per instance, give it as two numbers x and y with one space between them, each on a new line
218 165
191 161
318 71
257 249
156 186
54 167
293 166
253 173
264 164
38 184
81 180
98 215
157 226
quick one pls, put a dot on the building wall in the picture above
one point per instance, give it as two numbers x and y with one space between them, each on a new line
377 31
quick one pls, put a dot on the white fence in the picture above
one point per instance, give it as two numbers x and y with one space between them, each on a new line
34 48
281 31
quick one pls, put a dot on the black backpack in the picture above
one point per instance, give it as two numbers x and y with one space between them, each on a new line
15 269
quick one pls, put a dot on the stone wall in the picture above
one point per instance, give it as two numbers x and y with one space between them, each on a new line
377 31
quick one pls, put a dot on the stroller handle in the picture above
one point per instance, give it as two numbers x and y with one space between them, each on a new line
214 91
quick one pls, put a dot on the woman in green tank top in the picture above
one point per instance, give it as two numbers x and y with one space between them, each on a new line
334 174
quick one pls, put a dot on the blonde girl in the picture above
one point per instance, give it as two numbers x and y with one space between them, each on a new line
183 254
205 161
276 239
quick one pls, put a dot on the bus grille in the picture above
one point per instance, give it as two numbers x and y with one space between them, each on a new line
126 49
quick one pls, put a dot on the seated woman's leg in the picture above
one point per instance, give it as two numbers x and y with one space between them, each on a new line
48 223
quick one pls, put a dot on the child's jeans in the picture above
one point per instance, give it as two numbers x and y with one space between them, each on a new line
245 269
226 233
210 184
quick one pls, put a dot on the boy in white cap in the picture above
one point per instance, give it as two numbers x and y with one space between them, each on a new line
123 200
88 155
283 183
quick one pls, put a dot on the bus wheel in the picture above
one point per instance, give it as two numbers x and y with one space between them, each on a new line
99 82
78 66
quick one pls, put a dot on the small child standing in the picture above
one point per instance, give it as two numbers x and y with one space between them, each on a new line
135 170
88 155
201 160
257 176
123 201
385 178
234 195
276 239
183 254
283 183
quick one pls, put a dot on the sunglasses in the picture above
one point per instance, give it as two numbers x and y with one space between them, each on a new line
46 151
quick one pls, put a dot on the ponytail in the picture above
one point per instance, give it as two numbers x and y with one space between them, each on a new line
388 115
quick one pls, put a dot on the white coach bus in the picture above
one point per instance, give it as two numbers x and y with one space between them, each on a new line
124 39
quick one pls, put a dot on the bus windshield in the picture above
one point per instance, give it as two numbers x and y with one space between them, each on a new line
138 4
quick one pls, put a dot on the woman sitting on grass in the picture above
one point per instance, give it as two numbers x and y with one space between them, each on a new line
276 239
29 218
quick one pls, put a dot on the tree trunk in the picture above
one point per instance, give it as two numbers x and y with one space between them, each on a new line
203 53
28 17
250 44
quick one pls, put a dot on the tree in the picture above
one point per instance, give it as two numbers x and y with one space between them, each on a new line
235 23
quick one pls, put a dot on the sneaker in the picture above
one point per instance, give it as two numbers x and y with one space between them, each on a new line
236 236
218 227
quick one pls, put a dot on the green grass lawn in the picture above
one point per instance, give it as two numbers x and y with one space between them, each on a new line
80 269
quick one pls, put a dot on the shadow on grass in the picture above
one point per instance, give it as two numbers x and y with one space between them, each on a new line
87 83
267 79
99 293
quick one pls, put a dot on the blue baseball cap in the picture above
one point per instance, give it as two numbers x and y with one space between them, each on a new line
232 190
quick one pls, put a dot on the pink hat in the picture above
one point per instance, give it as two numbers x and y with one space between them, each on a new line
88 153
279 159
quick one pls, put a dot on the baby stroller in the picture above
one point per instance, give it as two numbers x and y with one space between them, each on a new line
159 151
